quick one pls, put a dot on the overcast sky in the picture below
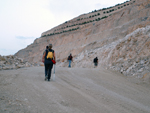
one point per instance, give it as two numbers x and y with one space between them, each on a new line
22 21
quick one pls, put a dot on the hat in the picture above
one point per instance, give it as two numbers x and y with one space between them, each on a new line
50 46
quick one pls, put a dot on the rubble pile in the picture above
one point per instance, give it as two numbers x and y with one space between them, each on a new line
13 62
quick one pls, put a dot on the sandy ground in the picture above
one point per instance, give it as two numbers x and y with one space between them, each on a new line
75 90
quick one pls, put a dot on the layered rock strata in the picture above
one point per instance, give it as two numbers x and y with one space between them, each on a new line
120 40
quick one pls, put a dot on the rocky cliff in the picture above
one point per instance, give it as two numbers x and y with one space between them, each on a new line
119 36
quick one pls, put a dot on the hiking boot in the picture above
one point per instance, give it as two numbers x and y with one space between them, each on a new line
45 78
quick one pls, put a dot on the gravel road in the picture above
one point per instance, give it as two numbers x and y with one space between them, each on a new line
75 90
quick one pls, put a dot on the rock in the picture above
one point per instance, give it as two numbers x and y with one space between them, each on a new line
146 77
12 62
141 70
2 62
142 62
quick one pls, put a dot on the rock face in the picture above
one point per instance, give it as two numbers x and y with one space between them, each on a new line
12 62
119 36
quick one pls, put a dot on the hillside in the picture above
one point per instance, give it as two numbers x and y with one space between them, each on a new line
119 36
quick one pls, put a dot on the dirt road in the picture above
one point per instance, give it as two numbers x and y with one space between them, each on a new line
75 90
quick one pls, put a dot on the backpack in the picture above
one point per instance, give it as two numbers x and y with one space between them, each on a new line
49 55
69 57
95 60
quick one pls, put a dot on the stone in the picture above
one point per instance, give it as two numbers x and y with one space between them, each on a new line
12 62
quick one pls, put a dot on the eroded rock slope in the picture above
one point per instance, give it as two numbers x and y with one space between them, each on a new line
119 36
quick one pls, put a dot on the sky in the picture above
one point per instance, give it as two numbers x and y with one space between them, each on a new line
22 21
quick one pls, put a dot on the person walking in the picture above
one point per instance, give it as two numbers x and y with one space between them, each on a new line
95 61
70 59
46 49
46 76
47 58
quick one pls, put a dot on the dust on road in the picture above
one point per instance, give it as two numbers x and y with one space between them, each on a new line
75 90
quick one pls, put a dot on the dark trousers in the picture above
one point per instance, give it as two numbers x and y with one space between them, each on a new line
48 69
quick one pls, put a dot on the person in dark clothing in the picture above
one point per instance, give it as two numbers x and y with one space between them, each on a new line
70 59
46 49
43 62
48 55
95 61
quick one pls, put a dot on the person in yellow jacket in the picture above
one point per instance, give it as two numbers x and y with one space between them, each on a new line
47 58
